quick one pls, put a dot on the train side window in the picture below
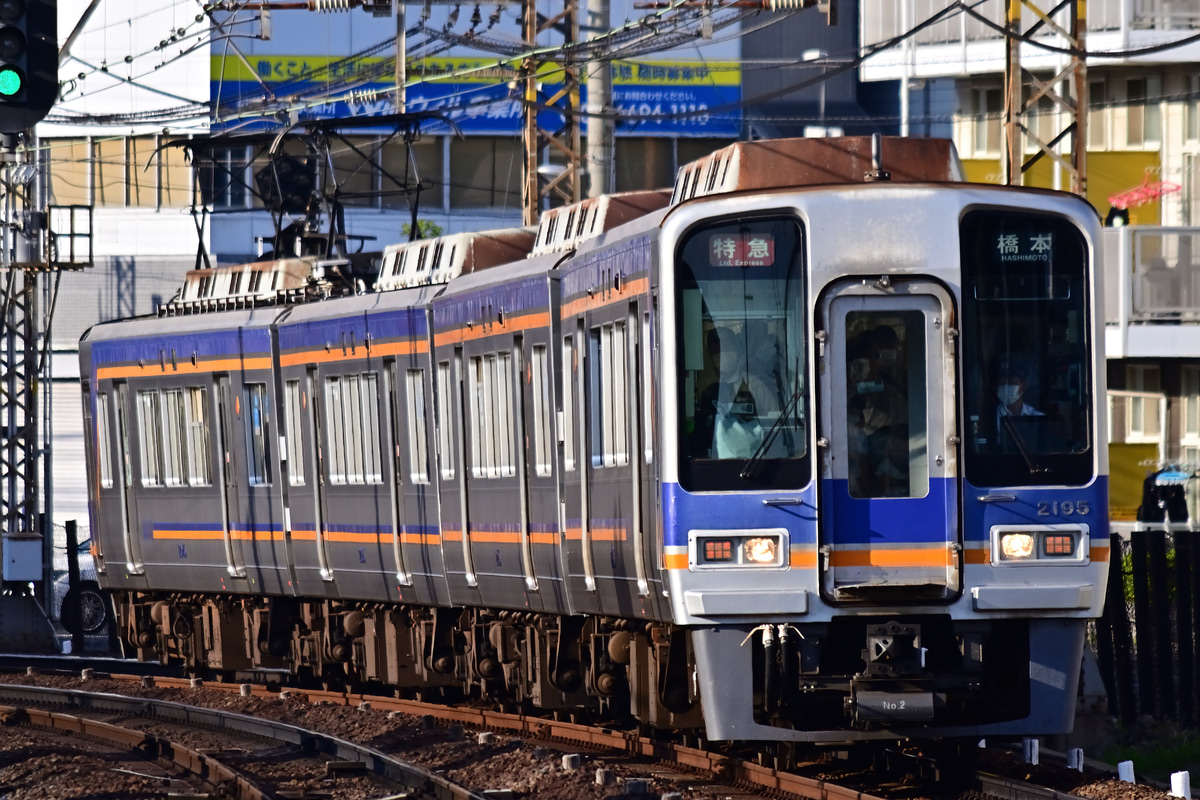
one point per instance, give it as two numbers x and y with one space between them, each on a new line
354 422
647 392
445 426
103 441
257 421
150 422
199 468
174 436
491 400
418 427
295 436
569 386
541 411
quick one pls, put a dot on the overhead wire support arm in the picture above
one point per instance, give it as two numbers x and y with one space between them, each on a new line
1068 91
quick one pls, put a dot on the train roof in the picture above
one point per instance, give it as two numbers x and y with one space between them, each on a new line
789 163
439 260
153 326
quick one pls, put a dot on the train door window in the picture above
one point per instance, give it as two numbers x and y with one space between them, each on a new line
886 404
647 392
150 422
569 388
103 443
198 465
540 376
174 436
1026 350
258 419
504 401
445 422
608 378
352 428
337 430
369 432
418 427
295 435
475 401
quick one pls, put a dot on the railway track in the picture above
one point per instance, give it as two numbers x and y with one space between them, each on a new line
672 761
251 758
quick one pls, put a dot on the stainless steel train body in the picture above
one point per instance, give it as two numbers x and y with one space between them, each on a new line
797 456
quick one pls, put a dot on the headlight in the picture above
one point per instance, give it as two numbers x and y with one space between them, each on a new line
761 550
1016 545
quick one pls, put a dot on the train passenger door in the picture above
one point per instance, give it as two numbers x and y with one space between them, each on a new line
316 456
394 466
889 503
129 518
234 559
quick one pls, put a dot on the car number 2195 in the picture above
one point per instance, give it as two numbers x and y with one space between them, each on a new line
1054 508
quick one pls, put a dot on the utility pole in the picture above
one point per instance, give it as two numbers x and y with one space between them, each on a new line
1068 90
540 181
599 103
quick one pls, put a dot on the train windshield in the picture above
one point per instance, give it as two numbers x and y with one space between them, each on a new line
1026 350
743 404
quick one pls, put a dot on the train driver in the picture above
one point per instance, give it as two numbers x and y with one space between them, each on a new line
1012 383
736 399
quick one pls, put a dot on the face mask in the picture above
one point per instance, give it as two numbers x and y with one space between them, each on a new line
887 358
1009 393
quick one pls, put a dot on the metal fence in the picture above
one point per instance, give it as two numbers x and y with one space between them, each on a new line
1146 645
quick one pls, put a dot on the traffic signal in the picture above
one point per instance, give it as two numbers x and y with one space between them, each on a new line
28 62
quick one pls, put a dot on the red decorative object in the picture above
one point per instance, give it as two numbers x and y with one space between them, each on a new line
1139 195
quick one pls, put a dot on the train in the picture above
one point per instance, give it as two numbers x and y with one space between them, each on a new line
809 448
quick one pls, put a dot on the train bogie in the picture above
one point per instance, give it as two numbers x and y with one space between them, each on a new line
802 456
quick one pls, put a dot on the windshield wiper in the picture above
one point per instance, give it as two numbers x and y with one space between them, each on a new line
751 467
1022 446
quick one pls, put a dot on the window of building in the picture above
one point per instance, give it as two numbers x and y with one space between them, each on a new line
103 441
109 173
1192 106
1143 119
70 171
223 184
426 165
1143 419
150 423
988 110
1190 379
143 172
445 424
258 419
295 434
352 172
485 171
645 163
1097 133
418 427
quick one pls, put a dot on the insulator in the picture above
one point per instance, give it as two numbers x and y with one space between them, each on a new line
786 5
330 6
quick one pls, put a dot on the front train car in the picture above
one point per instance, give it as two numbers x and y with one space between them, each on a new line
884 479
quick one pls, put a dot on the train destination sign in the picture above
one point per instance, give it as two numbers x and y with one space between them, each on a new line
741 250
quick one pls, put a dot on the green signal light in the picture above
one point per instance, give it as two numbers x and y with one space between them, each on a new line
11 81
